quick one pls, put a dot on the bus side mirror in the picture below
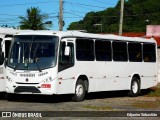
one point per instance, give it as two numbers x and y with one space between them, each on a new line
67 51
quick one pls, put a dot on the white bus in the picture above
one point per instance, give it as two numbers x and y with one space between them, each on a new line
5 40
48 62
4 48
6 35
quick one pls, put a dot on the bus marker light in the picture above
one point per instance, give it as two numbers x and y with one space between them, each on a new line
46 86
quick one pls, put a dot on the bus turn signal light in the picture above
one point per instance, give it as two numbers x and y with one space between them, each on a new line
46 86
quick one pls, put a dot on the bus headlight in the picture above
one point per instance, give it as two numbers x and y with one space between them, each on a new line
47 80
9 79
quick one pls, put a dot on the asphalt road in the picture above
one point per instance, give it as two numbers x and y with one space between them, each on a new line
102 104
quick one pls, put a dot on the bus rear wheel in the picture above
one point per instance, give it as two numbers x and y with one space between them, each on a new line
80 91
135 87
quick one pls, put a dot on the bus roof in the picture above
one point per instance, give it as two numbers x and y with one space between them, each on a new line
9 32
65 34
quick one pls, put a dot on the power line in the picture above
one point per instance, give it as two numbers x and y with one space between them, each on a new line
13 20
81 6
78 11
16 19
26 4
78 16
85 5
103 2
23 15
73 14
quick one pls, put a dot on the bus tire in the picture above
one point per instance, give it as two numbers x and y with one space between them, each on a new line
80 91
135 87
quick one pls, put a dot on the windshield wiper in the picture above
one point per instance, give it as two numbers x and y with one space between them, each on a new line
38 66
16 66
36 61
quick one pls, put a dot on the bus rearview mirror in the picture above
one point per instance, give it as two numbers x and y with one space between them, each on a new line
67 51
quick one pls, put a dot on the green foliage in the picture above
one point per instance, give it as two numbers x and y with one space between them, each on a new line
137 14
34 20
154 91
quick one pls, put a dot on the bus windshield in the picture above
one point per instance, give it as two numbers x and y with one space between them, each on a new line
33 52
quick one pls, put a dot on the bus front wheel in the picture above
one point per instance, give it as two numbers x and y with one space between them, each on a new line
80 91
135 87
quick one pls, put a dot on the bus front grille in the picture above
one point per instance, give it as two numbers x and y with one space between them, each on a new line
31 89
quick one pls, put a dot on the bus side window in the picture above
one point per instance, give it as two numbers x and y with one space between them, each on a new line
119 51
85 49
66 61
103 50
149 52
135 55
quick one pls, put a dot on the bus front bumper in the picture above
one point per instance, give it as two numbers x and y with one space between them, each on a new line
45 89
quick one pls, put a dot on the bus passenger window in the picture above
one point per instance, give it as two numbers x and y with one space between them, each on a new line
119 51
66 61
103 50
149 52
135 55
85 50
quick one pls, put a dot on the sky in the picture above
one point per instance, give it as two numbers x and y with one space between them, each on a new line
73 10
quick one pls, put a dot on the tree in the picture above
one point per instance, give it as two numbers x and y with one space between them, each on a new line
137 13
34 20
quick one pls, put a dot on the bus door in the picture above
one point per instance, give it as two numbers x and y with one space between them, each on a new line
66 69
66 54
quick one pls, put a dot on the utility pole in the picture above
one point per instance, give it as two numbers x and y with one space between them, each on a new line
121 18
60 15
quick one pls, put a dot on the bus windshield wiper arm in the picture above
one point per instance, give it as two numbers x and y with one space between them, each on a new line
36 58
16 66
38 66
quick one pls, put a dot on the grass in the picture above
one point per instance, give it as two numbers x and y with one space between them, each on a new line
151 92
154 91
105 108
147 105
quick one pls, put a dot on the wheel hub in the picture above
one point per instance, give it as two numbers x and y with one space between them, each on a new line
135 87
79 90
